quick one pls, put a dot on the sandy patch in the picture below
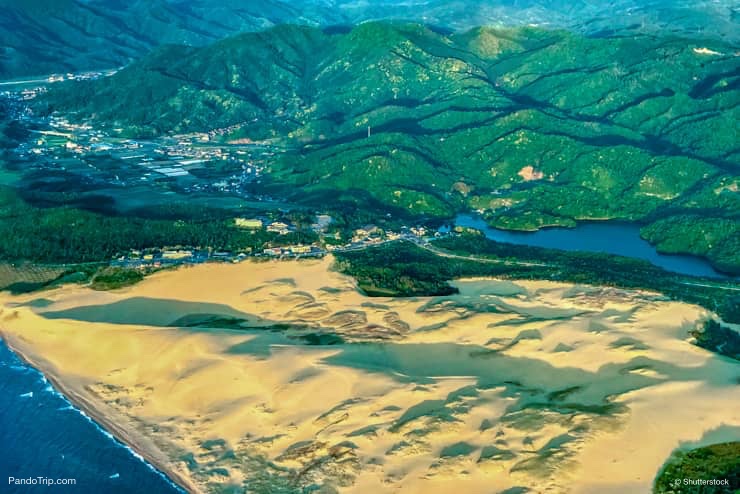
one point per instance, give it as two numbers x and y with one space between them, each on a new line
549 386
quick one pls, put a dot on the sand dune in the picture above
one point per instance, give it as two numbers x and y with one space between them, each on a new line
278 376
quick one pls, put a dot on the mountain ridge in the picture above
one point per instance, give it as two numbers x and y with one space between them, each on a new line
39 37
530 127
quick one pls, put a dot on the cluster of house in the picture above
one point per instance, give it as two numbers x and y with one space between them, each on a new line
81 149
361 238
82 76
319 226
257 224
294 250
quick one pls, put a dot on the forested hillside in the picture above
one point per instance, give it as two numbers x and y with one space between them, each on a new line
530 127
39 37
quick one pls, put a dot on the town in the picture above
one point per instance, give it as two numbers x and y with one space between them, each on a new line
76 158
184 164
362 238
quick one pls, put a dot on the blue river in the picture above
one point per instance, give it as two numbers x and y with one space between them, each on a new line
611 237
42 435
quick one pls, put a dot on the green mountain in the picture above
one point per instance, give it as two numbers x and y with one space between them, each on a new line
531 127
46 36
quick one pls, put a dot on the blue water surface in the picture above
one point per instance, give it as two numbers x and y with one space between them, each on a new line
41 434
611 237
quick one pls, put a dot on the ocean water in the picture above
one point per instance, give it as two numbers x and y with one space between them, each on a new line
42 435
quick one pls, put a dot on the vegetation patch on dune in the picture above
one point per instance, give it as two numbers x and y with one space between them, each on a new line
711 463
408 270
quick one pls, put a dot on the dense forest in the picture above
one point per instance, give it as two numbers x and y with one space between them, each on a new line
403 269
718 338
71 235
710 463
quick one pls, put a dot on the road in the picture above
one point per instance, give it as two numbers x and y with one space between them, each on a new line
719 287
423 244
29 81
444 253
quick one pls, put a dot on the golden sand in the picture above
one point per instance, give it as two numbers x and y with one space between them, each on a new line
549 386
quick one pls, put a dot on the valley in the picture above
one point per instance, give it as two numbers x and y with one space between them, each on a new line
341 246
530 128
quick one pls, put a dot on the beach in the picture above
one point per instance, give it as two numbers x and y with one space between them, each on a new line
276 376
113 422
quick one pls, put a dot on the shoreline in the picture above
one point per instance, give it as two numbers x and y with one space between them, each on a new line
132 439
151 384
719 274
